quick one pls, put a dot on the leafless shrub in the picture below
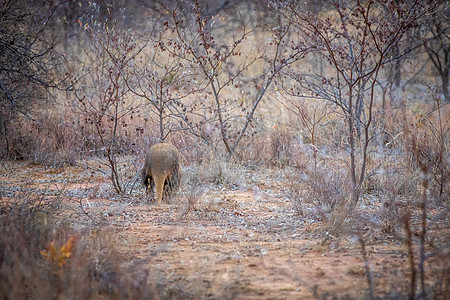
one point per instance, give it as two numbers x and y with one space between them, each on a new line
101 94
224 61
59 140
256 149
50 139
280 144
31 69
355 49
409 186
192 189
324 188
427 141
309 118
327 188
223 173
397 191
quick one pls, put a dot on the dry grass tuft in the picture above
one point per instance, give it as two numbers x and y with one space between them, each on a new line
41 257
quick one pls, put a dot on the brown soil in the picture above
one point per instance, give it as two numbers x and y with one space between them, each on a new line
247 243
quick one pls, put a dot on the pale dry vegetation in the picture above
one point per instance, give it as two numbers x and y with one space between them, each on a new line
314 140
42 257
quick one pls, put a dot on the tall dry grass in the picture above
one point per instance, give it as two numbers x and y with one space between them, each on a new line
42 257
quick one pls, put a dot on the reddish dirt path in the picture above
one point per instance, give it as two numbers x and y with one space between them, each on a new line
242 244
217 261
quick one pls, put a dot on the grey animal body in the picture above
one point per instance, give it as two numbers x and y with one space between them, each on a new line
161 170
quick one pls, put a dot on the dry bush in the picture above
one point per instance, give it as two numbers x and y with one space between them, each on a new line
319 183
427 142
130 144
410 181
400 190
394 184
253 152
327 188
273 146
280 143
222 172
192 149
388 133
255 149
58 140
32 68
323 188
192 188
42 258
50 139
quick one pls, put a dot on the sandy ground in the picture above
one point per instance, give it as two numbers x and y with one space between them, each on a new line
243 242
